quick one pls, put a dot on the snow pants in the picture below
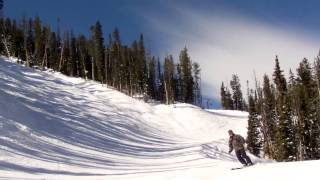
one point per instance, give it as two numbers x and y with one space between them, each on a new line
242 157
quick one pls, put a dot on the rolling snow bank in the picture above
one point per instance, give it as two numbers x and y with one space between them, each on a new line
58 127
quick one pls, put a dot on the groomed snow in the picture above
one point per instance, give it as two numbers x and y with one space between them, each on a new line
58 127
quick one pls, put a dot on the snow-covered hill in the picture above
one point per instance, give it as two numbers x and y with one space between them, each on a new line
57 127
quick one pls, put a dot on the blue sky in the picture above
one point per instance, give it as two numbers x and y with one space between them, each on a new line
224 36
129 15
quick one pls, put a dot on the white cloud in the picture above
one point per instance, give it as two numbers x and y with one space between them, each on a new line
224 44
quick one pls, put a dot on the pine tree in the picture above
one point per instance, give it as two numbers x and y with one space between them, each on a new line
38 41
16 45
98 54
238 101
226 98
187 80
229 99
46 35
254 123
152 78
132 75
285 146
317 98
53 57
317 73
223 95
2 51
169 79
73 64
197 84
116 60
307 115
293 93
65 54
178 88
136 68
125 70
28 42
140 73
160 83
131 70
5 38
142 66
83 56
269 118
109 63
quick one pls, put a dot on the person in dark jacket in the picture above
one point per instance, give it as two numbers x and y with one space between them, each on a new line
237 142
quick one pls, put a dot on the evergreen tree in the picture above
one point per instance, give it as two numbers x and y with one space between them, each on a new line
317 79
38 41
285 146
109 63
197 84
186 73
160 83
142 65
226 98
2 51
125 70
83 56
129 69
65 54
317 72
169 79
293 93
16 45
229 99
254 137
178 82
73 64
5 37
116 59
53 57
269 118
152 78
307 116
46 35
223 95
317 98
238 101
98 54
28 42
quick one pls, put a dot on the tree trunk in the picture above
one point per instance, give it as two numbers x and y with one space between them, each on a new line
166 90
6 45
61 58
106 71
92 66
44 60
27 57
84 70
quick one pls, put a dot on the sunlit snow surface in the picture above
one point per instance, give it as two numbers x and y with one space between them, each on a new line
57 127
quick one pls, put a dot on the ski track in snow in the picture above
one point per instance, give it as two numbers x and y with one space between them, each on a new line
58 127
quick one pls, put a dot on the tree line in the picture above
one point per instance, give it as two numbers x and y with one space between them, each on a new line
284 113
129 69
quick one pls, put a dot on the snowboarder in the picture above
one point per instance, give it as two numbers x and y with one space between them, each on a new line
236 142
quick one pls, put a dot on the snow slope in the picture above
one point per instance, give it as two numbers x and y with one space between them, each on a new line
57 127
